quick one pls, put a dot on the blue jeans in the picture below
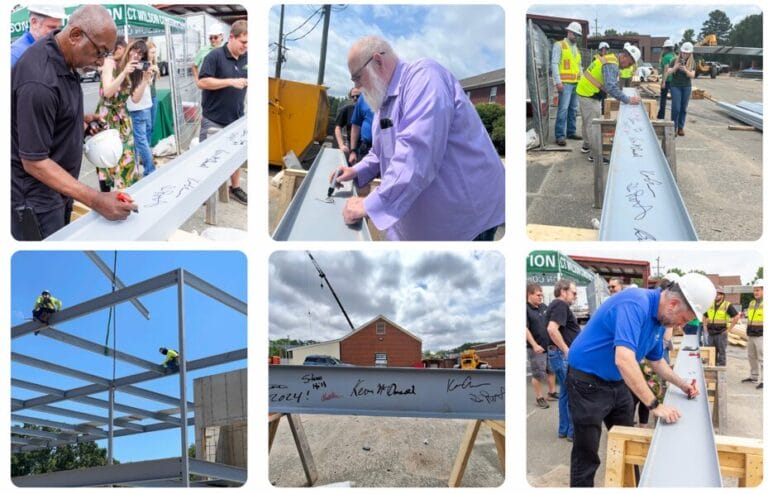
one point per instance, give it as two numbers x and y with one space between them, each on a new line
559 366
680 97
152 117
141 136
567 104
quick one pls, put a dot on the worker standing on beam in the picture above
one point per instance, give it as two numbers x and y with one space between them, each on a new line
720 317
566 70
601 79
755 336
604 367
45 305
171 362
441 177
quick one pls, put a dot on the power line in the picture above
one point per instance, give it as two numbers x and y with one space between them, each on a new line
320 9
307 33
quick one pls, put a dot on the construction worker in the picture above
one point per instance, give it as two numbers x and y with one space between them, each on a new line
602 49
600 79
603 363
45 305
171 362
626 73
566 70
755 336
667 55
615 285
719 318
42 20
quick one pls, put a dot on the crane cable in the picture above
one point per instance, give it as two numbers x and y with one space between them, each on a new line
112 320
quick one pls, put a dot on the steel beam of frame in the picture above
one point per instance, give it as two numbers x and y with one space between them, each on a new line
642 201
125 473
118 296
684 454
56 368
74 428
100 349
170 195
94 257
396 392
310 217
97 419
215 293
57 436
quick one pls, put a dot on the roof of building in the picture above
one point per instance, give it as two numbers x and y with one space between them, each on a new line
491 78
362 326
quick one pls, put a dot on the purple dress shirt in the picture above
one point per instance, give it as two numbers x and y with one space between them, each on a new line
441 178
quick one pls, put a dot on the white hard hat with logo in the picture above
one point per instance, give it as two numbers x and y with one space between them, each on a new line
687 47
668 44
53 11
633 51
602 45
699 292
574 27
216 29
104 149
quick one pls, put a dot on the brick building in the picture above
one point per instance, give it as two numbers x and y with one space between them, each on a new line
485 88
381 343
493 353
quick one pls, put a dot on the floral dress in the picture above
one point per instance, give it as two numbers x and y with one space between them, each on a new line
114 112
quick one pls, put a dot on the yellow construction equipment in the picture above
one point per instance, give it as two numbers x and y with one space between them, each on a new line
470 360
707 68
298 117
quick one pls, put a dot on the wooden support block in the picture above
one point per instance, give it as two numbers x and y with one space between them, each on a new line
741 127
79 210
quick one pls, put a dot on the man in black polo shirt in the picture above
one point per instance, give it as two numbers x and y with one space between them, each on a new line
47 127
537 342
224 79
563 329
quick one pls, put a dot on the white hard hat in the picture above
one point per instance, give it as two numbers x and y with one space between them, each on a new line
104 149
53 11
699 292
602 45
574 27
633 51
758 282
216 29
687 47
672 277
668 44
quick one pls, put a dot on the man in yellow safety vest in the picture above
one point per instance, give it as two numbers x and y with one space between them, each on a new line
602 78
755 336
566 70
171 362
719 318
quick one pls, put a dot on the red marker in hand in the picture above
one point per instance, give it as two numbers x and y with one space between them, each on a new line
123 197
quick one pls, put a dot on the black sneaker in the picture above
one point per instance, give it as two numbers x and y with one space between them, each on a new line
592 160
553 396
575 137
585 149
759 386
542 403
560 141
238 194
749 380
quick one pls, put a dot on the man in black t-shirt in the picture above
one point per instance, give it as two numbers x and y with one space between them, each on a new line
563 329
342 130
537 341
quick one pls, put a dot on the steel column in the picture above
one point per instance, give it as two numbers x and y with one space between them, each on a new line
396 392
183 382
684 454
309 216
111 433
642 201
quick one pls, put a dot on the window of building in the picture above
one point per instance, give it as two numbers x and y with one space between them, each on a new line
492 97
380 359
289 354
380 327
469 94
656 51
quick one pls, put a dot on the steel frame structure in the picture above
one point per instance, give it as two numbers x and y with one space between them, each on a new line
311 216
169 196
172 471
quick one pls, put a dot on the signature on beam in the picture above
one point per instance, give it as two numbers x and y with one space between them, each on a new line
213 159
650 180
634 197
643 235
161 196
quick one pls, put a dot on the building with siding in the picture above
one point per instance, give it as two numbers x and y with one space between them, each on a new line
485 88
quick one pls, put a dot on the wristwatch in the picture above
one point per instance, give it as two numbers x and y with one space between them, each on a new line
654 404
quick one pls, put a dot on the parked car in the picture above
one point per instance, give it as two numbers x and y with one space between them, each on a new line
324 360
90 75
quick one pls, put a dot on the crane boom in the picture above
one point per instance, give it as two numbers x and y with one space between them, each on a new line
324 277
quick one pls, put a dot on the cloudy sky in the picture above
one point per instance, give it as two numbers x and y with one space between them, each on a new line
648 18
445 298
731 262
467 39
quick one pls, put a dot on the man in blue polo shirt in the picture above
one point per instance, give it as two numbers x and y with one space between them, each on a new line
361 135
604 363
223 78
42 20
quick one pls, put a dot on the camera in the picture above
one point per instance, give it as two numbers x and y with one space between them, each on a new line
143 66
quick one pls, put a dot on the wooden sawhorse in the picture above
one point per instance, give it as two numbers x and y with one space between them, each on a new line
300 438
462 458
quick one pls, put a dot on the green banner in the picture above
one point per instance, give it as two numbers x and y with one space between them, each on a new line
552 261
142 16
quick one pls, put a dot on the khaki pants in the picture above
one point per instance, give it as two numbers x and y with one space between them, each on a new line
590 110
755 356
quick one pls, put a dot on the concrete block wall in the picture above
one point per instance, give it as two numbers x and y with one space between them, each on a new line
221 418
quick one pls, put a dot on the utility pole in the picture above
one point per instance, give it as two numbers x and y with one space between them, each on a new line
324 46
658 267
279 62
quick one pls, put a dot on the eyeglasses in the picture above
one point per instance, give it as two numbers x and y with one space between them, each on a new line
213 38
358 73
355 97
99 53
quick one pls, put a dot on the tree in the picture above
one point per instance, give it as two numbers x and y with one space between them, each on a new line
758 275
69 457
687 36
610 32
718 24
748 32
630 33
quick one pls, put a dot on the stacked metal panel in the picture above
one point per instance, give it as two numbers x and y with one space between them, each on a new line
750 113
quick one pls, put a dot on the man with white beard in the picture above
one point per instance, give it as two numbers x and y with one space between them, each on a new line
441 177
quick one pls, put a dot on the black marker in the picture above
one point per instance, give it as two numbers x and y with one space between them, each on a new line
334 182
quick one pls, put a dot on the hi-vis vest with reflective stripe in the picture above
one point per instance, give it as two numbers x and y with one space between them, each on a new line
755 314
585 87
720 317
627 73
570 61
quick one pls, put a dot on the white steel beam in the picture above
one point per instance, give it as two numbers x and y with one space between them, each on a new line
94 257
170 195
215 293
